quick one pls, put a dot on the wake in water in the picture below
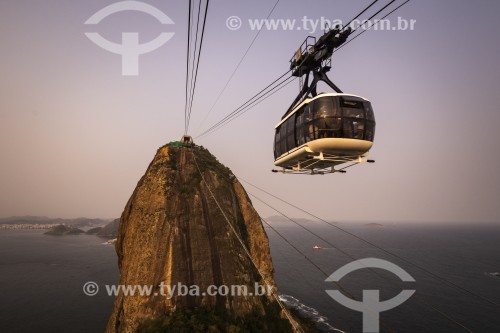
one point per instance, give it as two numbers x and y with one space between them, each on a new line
309 313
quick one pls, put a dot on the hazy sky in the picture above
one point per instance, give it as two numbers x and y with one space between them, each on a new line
76 135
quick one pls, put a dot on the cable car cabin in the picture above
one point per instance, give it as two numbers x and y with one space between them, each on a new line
324 131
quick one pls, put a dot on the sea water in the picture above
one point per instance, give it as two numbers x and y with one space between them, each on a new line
41 277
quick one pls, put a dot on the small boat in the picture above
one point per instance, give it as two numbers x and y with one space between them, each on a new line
316 247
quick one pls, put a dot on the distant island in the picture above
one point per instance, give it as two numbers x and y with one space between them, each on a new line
374 225
61 229
106 228
110 230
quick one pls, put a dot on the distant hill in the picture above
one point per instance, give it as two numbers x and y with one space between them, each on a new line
374 225
93 231
110 230
61 230
81 222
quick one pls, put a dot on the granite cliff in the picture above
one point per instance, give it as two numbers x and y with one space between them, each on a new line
173 232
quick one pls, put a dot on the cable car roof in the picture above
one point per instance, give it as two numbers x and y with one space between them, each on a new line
308 100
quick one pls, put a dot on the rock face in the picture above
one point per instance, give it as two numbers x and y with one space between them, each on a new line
172 231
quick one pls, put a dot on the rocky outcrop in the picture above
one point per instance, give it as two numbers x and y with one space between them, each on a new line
110 230
173 232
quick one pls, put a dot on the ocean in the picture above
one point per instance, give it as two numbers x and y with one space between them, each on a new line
41 277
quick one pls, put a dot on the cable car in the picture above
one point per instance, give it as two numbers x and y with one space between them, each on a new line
324 131
321 131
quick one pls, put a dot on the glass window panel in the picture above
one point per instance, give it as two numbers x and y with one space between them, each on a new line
290 125
337 110
351 102
369 131
300 117
283 146
291 141
369 111
290 135
358 129
299 131
347 128
323 107
307 113
333 123
354 113
307 136
320 128
309 131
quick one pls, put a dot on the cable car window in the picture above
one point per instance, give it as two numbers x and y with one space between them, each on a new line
275 148
323 107
290 132
299 117
336 111
309 132
369 111
299 135
305 131
358 129
351 103
369 131
334 125
320 130
276 143
283 138
299 128
307 113
347 128
354 113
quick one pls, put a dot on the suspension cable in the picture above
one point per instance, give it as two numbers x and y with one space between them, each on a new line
434 275
236 69
187 66
324 240
371 25
269 88
364 10
419 299
254 103
197 63
193 62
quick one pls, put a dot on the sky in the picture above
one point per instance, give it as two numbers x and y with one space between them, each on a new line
76 135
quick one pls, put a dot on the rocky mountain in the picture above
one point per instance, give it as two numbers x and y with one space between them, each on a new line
110 230
182 226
